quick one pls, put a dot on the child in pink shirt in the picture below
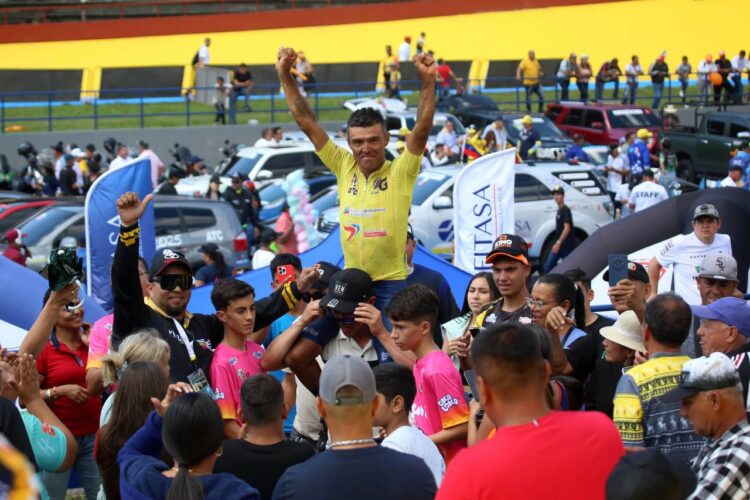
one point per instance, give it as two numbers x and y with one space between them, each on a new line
439 407
235 358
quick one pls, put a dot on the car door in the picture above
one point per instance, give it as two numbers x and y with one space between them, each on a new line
441 222
168 228
714 144
572 122
201 227
593 127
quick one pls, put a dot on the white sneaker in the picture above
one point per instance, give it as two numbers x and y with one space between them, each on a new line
682 94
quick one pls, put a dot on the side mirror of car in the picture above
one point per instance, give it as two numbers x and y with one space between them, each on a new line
442 202
598 125
263 175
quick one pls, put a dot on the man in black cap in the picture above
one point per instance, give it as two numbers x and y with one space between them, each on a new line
191 337
510 270
242 202
168 187
564 238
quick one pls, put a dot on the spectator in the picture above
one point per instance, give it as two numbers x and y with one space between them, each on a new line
420 43
512 381
623 339
725 328
141 381
739 66
223 90
440 408
564 238
723 68
389 62
642 418
347 401
622 197
261 454
734 179
575 152
639 158
123 157
557 306
171 282
242 201
242 85
157 166
457 333
496 135
265 140
444 74
604 75
684 251
264 254
397 390
565 70
214 187
404 50
631 294
203 56
305 74
632 72
439 156
68 184
285 227
422 275
659 476
530 72
529 139
168 187
705 68
648 193
683 73
215 267
235 358
450 141
667 163
15 250
583 74
394 89
615 74
615 170
510 271
659 70
196 166
141 346
189 428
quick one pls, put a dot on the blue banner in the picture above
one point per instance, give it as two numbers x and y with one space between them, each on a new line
103 225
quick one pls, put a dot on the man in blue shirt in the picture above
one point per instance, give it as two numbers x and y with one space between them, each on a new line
638 155
575 152
743 158
529 139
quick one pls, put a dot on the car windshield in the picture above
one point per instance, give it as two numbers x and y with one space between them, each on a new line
271 192
474 102
547 130
427 183
242 165
41 225
631 118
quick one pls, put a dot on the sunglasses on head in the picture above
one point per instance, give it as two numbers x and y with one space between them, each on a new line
170 282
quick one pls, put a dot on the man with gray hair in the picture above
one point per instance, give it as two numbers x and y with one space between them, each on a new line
347 402
711 399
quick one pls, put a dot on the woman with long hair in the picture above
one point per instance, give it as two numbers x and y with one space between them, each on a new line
190 429
215 267
456 333
558 293
140 381
213 192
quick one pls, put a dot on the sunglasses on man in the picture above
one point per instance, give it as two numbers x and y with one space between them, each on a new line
170 282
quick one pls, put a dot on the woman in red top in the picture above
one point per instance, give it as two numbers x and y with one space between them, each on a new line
62 371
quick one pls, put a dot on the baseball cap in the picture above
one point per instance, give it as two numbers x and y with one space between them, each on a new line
527 120
347 289
268 236
635 271
707 373
736 166
209 248
558 190
68 157
719 266
626 331
58 147
12 235
165 258
237 177
195 159
347 371
643 133
706 210
729 310
326 270
508 245
77 153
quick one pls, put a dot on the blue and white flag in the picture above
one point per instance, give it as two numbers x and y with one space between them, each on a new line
103 225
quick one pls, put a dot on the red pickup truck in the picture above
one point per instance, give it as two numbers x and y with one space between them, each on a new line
602 123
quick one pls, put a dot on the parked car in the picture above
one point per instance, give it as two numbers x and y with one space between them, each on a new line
432 206
15 211
602 123
273 196
554 143
476 110
703 151
181 224
396 120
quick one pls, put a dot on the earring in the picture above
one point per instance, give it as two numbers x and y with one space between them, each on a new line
220 451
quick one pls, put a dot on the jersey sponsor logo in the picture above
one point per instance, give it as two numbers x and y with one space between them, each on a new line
351 230
353 186
363 212
417 411
258 354
447 402
232 361
379 184
376 233
218 394
169 254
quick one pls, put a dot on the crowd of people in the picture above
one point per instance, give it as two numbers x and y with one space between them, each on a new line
398 392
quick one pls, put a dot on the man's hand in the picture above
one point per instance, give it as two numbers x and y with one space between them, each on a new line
285 60
425 66
370 316
312 312
173 391
27 383
130 208
307 278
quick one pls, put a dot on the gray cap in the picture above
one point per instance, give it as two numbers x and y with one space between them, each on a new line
719 266
706 210
347 371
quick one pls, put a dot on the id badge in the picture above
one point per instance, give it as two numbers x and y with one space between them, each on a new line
199 382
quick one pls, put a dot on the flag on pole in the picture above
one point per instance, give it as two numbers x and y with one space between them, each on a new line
482 208
103 225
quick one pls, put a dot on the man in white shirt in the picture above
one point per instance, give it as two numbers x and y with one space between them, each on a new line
739 66
448 138
622 196
615 169
122 157
404 50
648 193
734 179
203 54
685 253
496 135
566 69
705 68
157 166
632 72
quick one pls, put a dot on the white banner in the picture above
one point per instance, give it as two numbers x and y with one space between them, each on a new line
482 208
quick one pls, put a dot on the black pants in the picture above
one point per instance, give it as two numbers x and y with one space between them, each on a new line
220 114
717 92
583 87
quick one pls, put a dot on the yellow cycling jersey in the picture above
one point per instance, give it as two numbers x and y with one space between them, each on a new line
374 211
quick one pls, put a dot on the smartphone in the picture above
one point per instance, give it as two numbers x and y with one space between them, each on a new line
285 273
618 268
471 379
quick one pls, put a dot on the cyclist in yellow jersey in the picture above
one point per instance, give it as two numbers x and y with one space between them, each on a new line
375 194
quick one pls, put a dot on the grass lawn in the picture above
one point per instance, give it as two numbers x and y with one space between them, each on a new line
111 116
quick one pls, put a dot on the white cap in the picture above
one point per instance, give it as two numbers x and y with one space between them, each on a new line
626 331
706 373
77 153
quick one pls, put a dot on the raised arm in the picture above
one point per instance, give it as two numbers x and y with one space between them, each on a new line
298 106
426 69
40 331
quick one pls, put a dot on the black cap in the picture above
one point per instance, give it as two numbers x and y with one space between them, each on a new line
58 147
635 271
209 248
558 190
511 246
90 147
267 236
326 270
348 288
238 177
166 257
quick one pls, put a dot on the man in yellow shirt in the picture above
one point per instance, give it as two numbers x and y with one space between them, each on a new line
530 71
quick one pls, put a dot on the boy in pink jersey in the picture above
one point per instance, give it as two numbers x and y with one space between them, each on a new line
439 407
235 358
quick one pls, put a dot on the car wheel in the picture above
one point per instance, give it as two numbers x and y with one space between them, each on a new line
685 170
